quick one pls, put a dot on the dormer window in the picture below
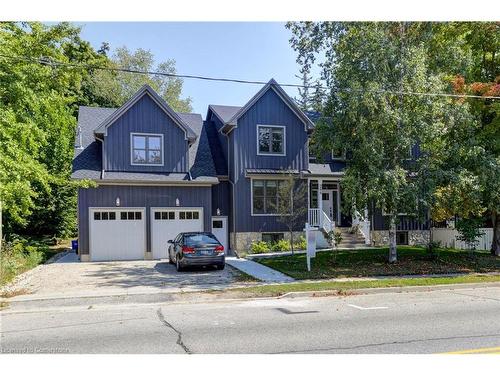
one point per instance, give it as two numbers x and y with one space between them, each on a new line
146 149
270 140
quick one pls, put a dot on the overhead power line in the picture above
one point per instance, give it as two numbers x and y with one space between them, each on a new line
54 63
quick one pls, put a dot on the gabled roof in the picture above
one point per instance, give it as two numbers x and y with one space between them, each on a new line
271 85
87 162
224 112
147 90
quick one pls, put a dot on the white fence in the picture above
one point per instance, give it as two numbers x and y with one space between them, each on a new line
448 238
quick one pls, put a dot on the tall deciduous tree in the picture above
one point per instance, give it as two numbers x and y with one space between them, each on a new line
470 180
367 67
36 124
117 87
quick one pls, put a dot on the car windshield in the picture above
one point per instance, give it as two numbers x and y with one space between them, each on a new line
200 239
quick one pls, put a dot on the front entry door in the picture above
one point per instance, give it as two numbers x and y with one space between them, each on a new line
219 230
327 198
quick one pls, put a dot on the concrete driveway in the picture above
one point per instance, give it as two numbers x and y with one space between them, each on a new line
70 277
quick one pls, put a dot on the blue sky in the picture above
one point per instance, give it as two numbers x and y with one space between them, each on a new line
253 51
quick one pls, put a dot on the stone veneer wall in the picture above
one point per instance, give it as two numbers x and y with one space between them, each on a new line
241 241
415 237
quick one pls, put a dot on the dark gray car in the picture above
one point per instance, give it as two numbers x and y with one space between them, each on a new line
196 249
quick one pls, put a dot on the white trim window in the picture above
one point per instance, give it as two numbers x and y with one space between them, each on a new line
146 149
265 197
271 140
338 155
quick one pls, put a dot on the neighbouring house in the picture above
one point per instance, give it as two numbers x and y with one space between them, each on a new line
159 173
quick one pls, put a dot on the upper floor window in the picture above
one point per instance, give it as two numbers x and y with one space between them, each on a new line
270 140
338 154
147 149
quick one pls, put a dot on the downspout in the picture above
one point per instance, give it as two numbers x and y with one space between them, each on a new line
233 216
103 156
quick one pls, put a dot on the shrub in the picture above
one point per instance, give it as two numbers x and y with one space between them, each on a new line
301 243
281 245
259 247
19 255
431 249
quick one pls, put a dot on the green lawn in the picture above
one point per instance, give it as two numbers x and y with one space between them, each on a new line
346 287
373 262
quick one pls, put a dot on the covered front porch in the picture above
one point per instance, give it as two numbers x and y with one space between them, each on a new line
324 203
325 210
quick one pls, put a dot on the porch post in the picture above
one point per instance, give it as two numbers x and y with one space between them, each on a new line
308 200
320 202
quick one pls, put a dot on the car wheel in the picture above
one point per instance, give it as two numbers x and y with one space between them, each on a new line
220 266
178 265
170 261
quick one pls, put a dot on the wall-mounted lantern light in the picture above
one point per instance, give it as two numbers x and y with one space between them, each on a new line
117 201
218 212
177 202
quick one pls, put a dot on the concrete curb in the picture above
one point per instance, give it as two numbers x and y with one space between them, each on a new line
386 290
40 303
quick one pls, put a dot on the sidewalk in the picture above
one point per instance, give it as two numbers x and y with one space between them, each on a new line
258 270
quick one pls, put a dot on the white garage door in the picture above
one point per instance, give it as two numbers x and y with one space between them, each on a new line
167 223
117 234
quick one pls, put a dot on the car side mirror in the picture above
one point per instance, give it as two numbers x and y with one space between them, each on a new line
170 241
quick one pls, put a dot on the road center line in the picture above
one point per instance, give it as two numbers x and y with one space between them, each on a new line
367 308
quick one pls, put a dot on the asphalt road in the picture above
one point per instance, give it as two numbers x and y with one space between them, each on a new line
423 322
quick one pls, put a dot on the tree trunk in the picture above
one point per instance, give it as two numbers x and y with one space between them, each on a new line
392 240
495 244
291 240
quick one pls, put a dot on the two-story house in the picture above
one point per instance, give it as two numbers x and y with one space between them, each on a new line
158 173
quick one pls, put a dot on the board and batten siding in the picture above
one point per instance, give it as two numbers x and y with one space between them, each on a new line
270 109
140 196
220 198
145 116
381 222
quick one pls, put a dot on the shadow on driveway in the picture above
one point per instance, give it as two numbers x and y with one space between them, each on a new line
157 274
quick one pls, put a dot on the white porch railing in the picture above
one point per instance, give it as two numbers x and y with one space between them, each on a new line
326 223
314 217
318 218
363 225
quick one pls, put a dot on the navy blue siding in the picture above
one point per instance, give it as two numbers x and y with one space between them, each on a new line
381 222
145 116
140 196
220 198
268 110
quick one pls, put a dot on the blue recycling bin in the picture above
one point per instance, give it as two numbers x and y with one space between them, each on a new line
74 245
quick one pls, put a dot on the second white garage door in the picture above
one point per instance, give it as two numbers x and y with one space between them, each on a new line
117 234
167 223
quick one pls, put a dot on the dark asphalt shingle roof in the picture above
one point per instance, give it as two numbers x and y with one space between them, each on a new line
87 159
224 112
218 158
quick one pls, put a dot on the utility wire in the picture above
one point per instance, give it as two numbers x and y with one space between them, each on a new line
54 63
